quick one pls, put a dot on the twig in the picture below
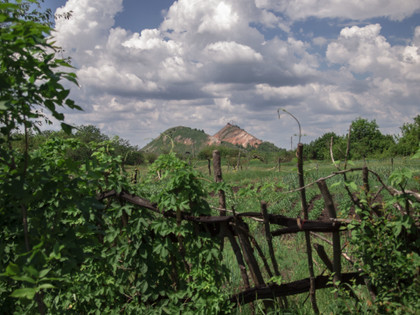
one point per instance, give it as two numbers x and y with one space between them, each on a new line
394 192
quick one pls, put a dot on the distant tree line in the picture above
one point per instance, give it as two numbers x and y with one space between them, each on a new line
366 141
89 136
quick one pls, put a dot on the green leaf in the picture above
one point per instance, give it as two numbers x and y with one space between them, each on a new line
66 128
24 278
400 177
27 293
32 271
12 269
44 286
44 272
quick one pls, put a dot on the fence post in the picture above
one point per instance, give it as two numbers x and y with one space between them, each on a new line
242 230
241 263
269 237
329 204
217 166
299 155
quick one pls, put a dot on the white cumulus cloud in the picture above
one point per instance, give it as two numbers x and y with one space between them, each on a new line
211 62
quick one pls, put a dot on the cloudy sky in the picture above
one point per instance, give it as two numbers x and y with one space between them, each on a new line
147 65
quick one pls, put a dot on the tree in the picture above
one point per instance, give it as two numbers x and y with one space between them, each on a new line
409 141
30 95
131 154
367 140
30 74
319 149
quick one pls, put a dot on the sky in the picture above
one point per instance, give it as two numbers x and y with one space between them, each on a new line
148 65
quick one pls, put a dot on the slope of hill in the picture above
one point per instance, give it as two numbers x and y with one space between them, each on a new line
178 139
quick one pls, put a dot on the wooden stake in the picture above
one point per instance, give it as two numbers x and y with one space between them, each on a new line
217 166
329 204
299 154
269 237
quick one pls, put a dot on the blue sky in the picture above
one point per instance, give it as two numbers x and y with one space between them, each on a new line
145 66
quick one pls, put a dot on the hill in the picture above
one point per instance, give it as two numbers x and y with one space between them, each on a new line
235 135
179 139
183 140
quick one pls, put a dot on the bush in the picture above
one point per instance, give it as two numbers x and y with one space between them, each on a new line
387 251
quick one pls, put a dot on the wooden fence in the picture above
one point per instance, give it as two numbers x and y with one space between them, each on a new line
246 249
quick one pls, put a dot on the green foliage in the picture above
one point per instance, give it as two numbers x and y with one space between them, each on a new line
268 147
30 73
90 134
86 134
65 249
83 255
409 141
386 249
367 140
200 282
62 248
319 149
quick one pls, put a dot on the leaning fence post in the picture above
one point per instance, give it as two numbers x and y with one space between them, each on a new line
299 154
242 231
329 204
269 237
